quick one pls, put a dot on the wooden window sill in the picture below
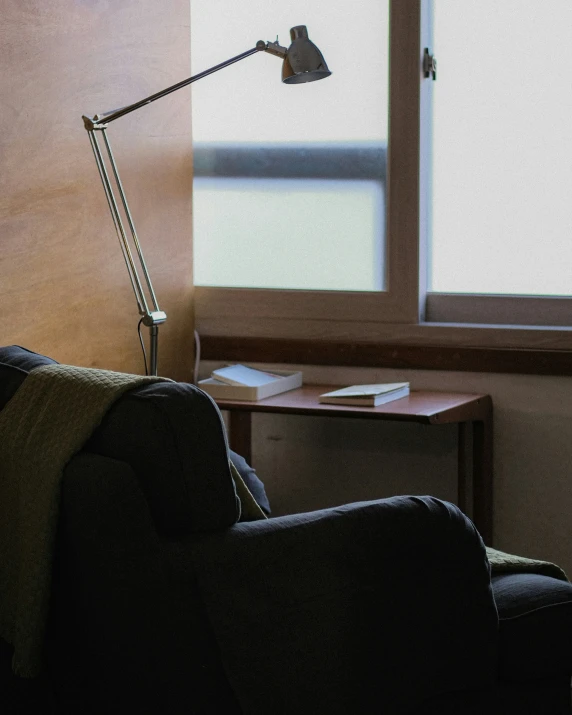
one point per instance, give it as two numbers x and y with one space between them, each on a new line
520 360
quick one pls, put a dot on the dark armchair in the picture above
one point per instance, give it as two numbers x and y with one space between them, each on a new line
164 603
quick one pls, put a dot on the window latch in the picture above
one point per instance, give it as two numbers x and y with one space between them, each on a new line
429 65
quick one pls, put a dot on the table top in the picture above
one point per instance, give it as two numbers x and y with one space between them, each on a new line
419 406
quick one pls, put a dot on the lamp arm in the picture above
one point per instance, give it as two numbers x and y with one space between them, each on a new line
98 120
152 316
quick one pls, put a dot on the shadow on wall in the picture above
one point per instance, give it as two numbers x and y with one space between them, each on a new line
312 463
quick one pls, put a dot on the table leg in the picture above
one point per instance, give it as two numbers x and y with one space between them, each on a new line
483 477
240 438
462 476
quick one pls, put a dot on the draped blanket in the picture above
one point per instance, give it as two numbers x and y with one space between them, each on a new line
510 563
46 422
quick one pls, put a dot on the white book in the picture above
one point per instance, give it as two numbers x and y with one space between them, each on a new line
287 380
244 376
366 395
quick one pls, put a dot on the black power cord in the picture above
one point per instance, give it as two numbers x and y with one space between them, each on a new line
142 345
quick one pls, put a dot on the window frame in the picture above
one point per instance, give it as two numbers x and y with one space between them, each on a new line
404 314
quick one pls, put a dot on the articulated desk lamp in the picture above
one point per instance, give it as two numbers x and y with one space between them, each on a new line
303 62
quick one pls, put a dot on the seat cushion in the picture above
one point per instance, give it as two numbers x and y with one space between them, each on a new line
535 622
173 437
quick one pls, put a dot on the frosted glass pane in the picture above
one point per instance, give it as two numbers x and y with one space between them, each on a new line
315 219
288 234
502 152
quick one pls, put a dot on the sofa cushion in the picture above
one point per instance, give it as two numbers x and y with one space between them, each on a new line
173 437
535 623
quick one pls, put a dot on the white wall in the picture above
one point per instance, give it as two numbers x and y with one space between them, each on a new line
310 463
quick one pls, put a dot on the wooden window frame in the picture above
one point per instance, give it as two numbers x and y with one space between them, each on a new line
420 329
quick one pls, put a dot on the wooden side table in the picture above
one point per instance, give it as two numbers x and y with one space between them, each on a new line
472 413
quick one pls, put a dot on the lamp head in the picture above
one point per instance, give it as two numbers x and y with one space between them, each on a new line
303 62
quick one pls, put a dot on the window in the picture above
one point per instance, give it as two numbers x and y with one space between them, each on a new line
502 169
440 253
502 148
290 180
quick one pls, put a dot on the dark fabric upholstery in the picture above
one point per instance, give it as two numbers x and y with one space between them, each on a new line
340 591
549 696
317 584
522 594
135 638
173 437
535 617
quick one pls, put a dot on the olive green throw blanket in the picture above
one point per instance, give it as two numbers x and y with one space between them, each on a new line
47 421
509 563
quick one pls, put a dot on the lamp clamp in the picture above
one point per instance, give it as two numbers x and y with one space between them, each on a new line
155 318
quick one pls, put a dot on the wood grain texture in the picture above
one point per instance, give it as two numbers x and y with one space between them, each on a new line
403 210
436 335
419 406
403 357
63 283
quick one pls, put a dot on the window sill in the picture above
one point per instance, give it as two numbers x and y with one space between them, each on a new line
541 359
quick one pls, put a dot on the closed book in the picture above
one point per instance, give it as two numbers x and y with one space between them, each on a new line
243 375
366 395
287 380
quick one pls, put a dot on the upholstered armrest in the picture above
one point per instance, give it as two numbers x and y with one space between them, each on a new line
371 607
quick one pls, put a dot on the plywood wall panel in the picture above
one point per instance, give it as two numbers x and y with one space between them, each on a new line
64 288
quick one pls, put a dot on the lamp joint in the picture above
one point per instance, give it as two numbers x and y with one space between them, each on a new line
155 318
92 123
274 48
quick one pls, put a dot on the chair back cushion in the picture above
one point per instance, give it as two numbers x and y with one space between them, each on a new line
173 437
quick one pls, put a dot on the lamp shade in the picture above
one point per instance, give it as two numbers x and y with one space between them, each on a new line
303 62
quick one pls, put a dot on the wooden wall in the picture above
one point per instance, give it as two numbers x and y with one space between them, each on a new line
64 288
